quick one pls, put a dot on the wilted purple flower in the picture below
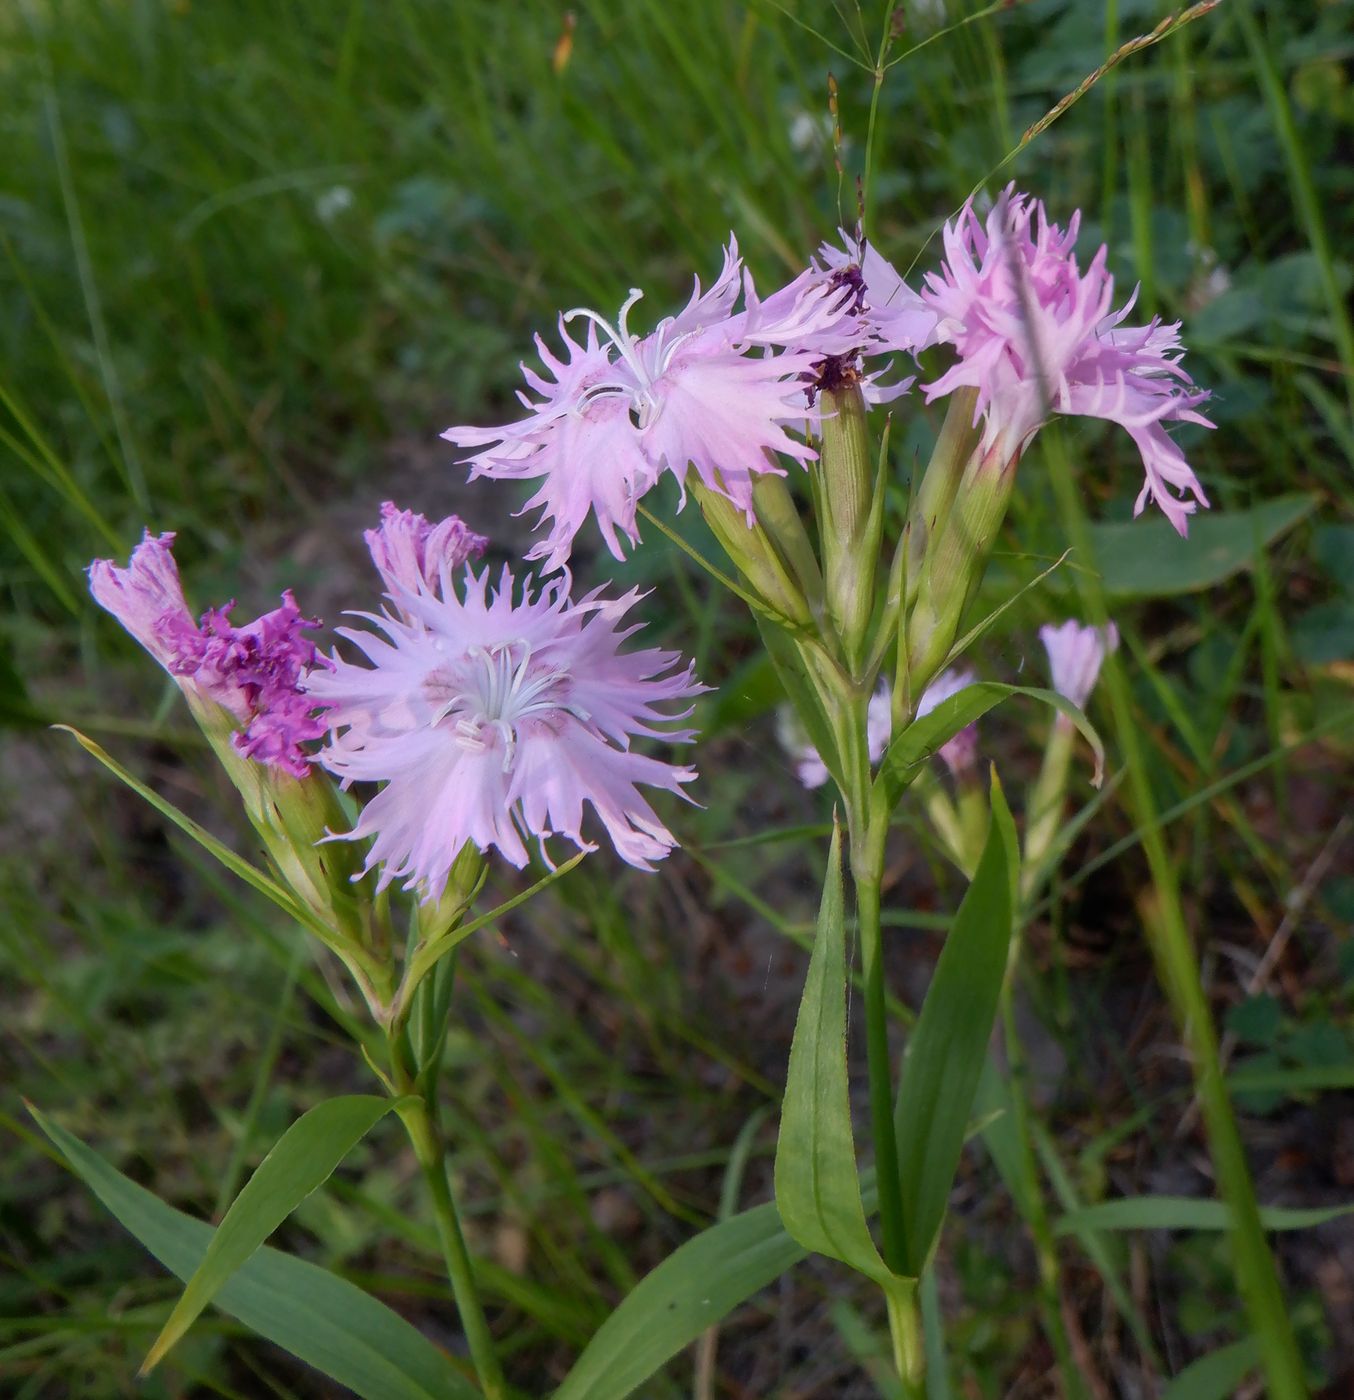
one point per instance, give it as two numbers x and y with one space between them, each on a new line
255 672
895 317
961 752
614 414
1075 656
491 720
1035 336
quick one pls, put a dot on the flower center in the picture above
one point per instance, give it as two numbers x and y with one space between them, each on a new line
497 689
647 359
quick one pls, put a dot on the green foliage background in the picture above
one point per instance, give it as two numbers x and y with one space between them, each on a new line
253 256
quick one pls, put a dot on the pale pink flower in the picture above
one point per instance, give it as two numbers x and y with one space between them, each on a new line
841 310
410 553
618 411
493 719
256 672
961 752
1075 656
1035 336
809 766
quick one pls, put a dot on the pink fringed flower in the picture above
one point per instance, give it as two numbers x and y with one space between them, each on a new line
1075 656
961 752
1036 336
611 416
255 672
410 553
493 719
847 307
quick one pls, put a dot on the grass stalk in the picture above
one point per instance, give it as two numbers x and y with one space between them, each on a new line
1178 968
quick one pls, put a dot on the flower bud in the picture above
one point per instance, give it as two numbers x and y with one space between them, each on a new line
940 482
852 516
952 567
752 549
778 515
292 817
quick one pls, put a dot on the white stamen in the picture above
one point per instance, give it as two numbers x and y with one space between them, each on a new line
498 692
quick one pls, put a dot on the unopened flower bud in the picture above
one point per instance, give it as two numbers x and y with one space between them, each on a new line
952 567
1075 656
751 548
852 515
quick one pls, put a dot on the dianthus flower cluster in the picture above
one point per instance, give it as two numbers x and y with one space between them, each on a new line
494 715
714 389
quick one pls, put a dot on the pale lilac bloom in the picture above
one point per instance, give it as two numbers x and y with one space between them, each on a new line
619 410
492 718
1036 336
809 766
851 305
256 672
412 554
959 753
1075 656
896 317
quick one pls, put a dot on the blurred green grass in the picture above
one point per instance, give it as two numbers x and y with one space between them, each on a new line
247 247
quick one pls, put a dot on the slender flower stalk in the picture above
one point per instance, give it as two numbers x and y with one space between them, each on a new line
418 1112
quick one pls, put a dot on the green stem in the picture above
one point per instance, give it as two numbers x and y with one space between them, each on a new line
909 1346
420 1119
867 874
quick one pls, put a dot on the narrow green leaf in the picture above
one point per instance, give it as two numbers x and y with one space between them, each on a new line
946 1052
1185 1213
1147 559
301 1160
237 865
670 1307
1217 1375
1292 1079
792 671
924 737
324 1320
817 1179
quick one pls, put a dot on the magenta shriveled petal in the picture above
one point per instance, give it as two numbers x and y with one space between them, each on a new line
494 718
1034 336
256 672
411 553
1075 655
605 421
